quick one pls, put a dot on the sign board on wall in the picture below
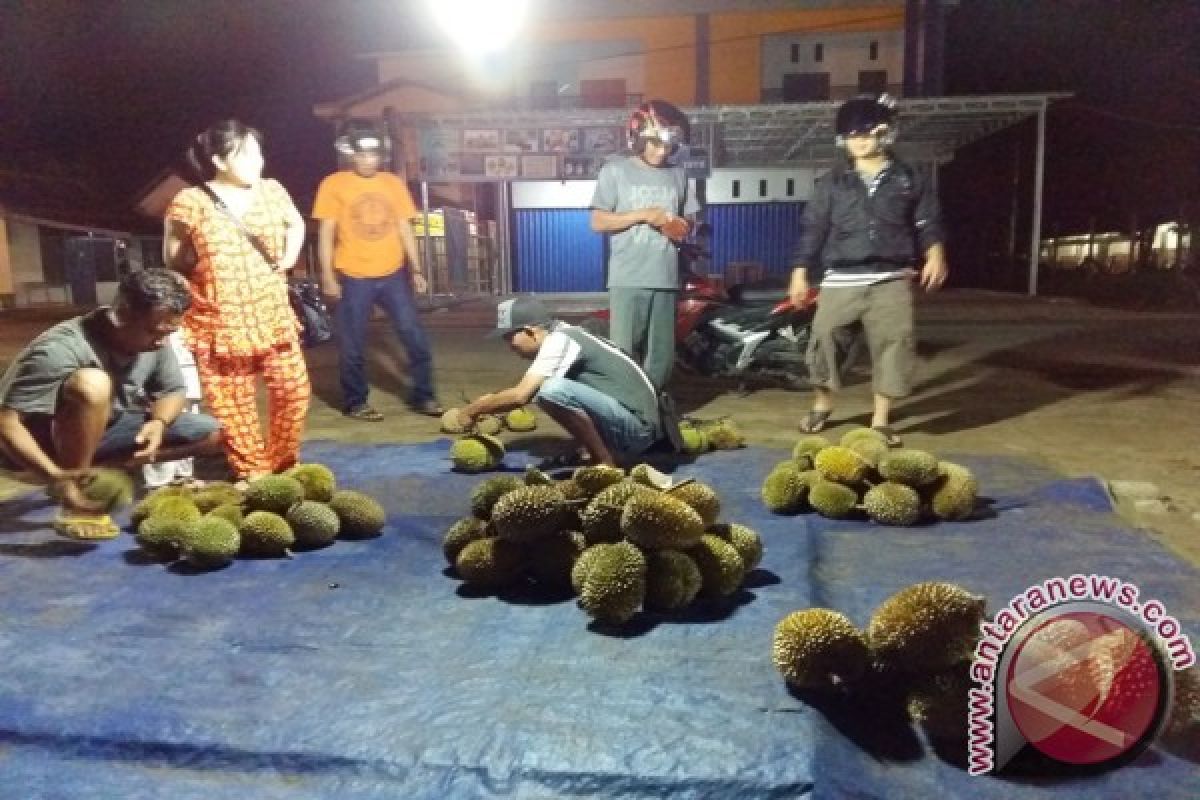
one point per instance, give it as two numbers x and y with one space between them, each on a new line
492 154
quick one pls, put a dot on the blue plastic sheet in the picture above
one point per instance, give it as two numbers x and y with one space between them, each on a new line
362 670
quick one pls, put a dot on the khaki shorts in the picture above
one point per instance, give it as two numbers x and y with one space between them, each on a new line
886 312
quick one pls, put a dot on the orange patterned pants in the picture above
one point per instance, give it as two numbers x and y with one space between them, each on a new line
230 391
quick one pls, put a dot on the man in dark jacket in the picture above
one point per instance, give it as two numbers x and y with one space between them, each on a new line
866 230
586 384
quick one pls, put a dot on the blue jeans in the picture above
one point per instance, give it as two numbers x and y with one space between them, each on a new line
394 295
620 428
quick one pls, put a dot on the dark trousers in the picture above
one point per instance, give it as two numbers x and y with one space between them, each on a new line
642 323
394 295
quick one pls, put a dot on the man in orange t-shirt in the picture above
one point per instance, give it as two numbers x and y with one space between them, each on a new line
368 254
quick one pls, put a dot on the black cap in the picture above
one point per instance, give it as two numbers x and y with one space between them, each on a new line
520 312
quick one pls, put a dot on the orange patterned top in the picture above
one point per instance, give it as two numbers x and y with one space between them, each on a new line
239 304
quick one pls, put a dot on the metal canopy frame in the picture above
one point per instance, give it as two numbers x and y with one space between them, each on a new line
802 134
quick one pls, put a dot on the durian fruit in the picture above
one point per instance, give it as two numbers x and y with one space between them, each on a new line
318 481
595 479
695 441
314 524
528 513
210 542
471 454
535 477
745 540
488 424
460 534
486 493
647 475
583 564
571 490
215 495
660 521
832 500
265 533
601 518
892 504
230 512
108 488
938 702
520 420
911 467
926 627
720 565
860 434
614 586
872 450
361 516
784 491
451 424
840 465
672 580
160 536
175 505
490 563
806 449
701 497
952 496
551 559
819 649
274 493
1183 720
723 434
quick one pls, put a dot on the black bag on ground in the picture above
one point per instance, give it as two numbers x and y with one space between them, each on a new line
315 320
668 418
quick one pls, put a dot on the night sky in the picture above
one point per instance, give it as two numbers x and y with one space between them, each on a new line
113 91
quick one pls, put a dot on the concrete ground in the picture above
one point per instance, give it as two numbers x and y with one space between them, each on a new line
1087 391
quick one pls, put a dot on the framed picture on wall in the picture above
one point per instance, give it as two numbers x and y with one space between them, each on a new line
500 166
471 163
539 167
560 140
601 140
481 139
579 167
522 140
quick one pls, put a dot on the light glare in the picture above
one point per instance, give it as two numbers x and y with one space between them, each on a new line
480 26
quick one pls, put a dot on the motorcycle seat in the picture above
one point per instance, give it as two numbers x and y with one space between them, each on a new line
759 293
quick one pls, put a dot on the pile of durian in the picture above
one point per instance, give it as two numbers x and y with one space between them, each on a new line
861 474
479 449
621 543
301 509
918 644
700 436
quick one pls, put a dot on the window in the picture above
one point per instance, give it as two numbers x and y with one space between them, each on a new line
872 81
762 188
873 50
818 52
736 189
795 54
805 87
791 187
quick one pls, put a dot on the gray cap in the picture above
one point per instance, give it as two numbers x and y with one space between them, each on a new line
520 312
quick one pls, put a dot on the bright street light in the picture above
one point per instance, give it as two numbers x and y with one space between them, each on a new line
480 26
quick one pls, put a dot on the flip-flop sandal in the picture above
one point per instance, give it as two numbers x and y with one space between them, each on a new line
889 436
365 414
86 527
814 421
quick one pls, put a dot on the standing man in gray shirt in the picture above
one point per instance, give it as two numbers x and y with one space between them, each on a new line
103 387
641 202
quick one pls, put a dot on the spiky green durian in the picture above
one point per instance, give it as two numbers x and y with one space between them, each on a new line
274 493
832 500
840 465
672 580
583 564
819 649
648 476
660 521
361 516
701 497
462 532
872 450
952 496
535 477
318 481
806 449
745 540
314 524
571 490
723 434
938 702
520 420
695 441
230 512
452 423
908 466
176 507
528 513
216 494
490 563
488 424
552 558
210 542
720 565
862 433
471 454
926 627
597 478
146 506
485 494
265 533
1183 721
108 488
160 535
784 491
892 504
601 518
614 586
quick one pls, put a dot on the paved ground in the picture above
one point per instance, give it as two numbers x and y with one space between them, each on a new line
1087 391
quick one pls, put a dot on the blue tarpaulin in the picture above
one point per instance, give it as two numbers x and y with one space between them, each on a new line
364 671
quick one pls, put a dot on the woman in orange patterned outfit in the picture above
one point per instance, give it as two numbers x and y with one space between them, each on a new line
240 325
